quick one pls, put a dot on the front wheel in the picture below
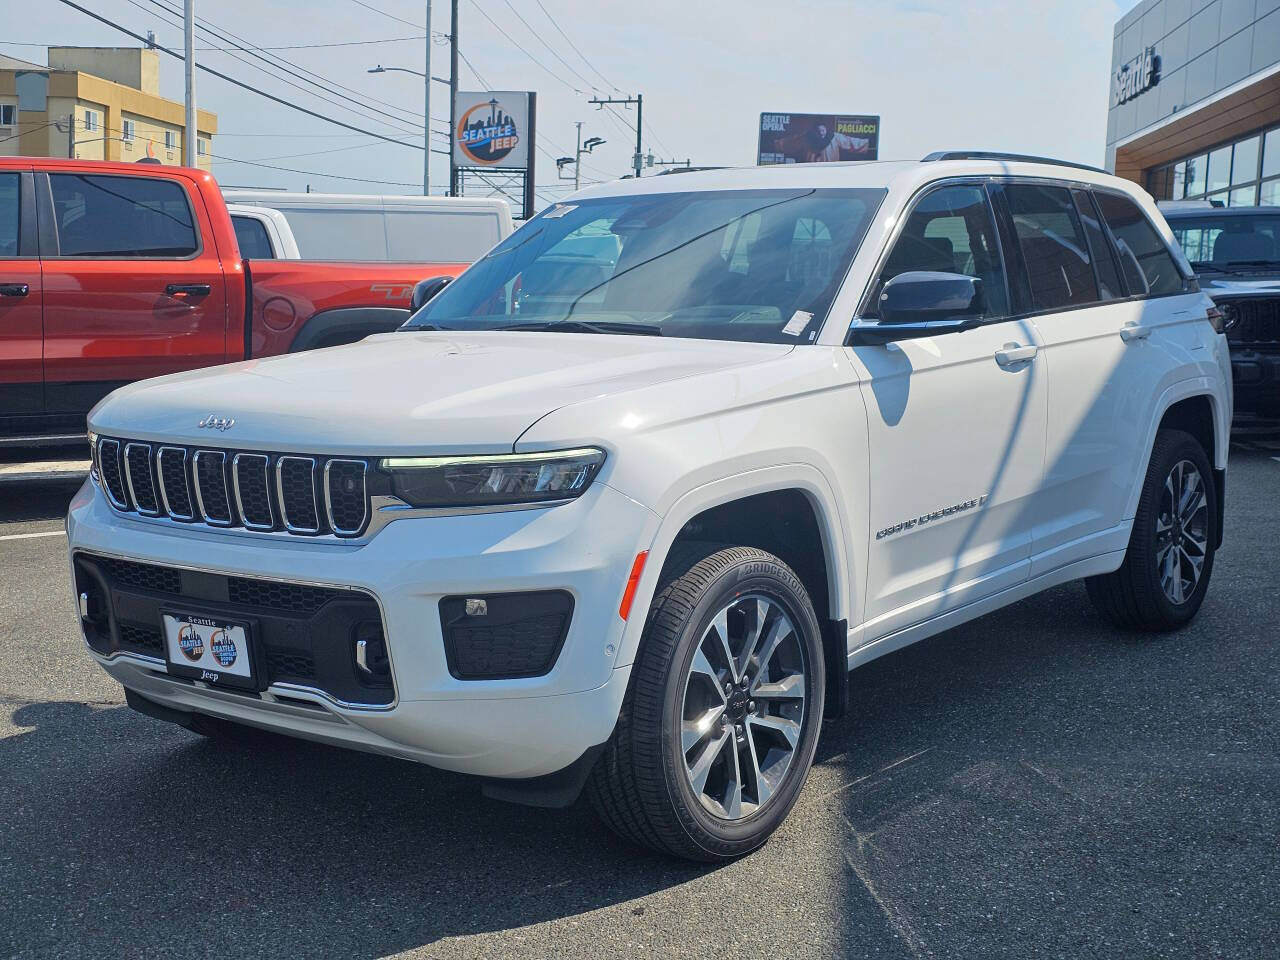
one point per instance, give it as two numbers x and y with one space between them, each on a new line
721 718
1166 569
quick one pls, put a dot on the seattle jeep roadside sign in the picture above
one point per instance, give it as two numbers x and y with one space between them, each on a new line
1137 76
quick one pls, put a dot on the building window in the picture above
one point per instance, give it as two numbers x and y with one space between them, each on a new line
1239 174
129 130
8 114
202 147
170 140
90 120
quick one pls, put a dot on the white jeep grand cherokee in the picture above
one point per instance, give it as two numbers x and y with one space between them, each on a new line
622 506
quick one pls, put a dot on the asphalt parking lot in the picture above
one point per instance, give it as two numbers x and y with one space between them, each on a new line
1029 785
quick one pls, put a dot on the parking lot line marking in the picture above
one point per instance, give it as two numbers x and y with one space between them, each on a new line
32 536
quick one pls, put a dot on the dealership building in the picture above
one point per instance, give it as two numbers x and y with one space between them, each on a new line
1194 109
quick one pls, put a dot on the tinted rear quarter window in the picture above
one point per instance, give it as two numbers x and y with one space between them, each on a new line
9 207
1148 266
251 237
1053 246
112 216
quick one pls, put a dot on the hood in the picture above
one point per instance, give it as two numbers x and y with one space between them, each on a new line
407 392
1246 286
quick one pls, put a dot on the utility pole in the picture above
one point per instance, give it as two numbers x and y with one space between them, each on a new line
577 160
453 94
638 100
426 113
71 135
189 38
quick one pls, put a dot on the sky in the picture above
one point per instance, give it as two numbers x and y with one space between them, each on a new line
1029 76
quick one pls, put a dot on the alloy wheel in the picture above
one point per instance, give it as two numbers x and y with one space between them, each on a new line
1182 531
743 707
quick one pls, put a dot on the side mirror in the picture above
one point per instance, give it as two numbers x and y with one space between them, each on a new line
424 290
924 303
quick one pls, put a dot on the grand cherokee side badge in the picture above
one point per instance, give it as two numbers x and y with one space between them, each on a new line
216 423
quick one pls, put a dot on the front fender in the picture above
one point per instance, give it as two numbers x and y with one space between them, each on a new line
804 477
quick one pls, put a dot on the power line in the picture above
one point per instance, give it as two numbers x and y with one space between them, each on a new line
389 16
240 83
314 173
541 40
515 43
483 82
240 43
575 47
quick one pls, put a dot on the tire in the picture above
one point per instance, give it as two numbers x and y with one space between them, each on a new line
1140 595
643 786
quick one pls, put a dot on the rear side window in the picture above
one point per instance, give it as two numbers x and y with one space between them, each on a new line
1099 248
251 237
951 231
110 216
9 210
1149 267
1053 246
338 234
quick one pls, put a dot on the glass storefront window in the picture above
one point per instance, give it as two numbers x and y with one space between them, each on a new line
1243 196
1271 153
1244 165
1270 195
1194 177
1220 168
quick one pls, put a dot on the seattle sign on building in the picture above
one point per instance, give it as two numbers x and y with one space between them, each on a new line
1137 76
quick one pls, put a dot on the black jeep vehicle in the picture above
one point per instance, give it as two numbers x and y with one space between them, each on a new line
1236 255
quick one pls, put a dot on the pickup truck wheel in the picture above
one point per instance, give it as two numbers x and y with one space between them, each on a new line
721 718
1167 567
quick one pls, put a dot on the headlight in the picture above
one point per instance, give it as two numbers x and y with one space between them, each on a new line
93 455
503 478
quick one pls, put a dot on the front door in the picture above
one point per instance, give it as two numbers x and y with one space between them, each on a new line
21 306
956 430
135 289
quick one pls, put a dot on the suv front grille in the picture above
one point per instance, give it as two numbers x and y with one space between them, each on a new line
310 496
1256 321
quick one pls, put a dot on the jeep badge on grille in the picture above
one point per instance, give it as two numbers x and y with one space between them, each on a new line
212 422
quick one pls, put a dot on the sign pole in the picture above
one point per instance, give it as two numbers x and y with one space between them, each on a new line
189 40
453 97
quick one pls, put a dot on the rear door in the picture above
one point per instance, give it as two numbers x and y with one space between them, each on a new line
133 284
956 425
21 300
1105 288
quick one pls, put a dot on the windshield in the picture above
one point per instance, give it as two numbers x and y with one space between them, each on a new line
760 265
1223 241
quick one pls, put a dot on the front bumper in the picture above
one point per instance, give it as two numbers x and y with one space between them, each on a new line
516 728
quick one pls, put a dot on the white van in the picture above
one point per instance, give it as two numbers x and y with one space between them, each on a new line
336 226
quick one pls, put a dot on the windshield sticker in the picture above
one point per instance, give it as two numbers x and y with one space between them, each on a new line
559 210
795 326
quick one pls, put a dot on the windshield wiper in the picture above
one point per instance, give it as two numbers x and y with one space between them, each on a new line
587 326
1200 266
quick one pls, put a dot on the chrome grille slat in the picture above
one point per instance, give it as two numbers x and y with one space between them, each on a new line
264 493
112 473
140 479
211 491
256 489
296 493
346 471
179 507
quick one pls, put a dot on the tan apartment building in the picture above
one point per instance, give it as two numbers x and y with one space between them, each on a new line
95 103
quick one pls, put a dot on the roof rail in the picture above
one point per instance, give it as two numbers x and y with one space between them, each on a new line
994 155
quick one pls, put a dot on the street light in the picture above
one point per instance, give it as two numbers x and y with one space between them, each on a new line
426 109
576 159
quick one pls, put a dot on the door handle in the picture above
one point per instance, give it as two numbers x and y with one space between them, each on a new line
1133 330
188 289
14 289
1012 353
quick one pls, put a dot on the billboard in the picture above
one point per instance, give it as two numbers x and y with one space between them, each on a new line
817 137
494 130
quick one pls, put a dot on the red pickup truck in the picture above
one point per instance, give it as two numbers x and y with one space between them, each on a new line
113 272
